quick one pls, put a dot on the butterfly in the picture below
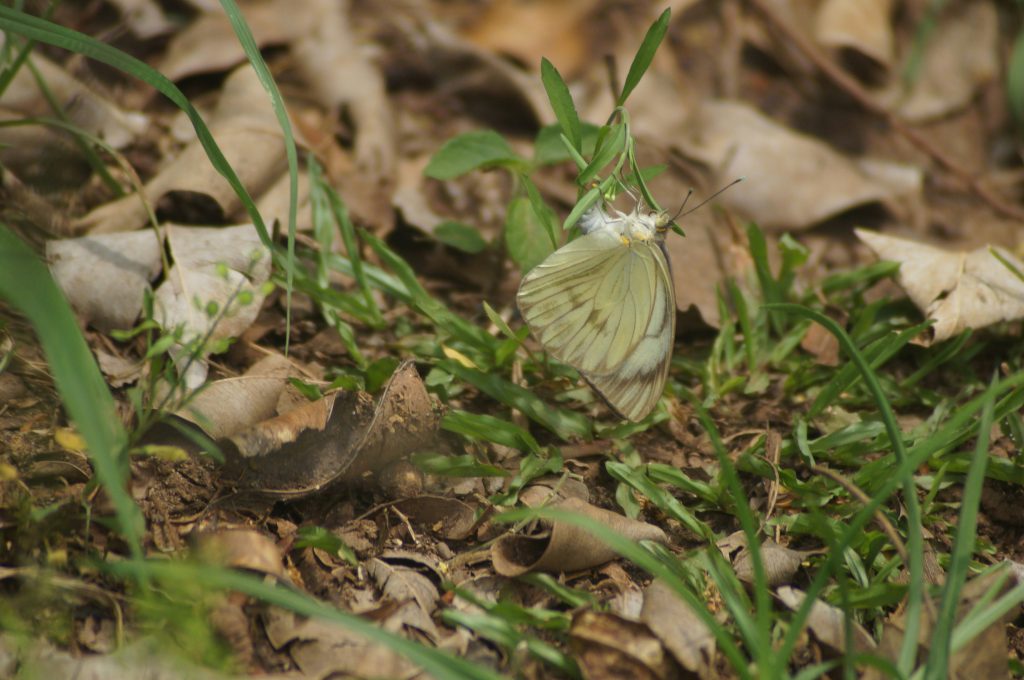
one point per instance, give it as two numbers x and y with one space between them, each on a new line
604 303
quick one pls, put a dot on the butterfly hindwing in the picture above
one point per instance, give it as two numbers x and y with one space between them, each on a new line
608 309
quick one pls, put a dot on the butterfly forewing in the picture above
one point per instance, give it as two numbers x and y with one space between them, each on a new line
609 310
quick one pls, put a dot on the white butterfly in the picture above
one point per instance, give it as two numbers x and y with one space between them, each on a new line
604 303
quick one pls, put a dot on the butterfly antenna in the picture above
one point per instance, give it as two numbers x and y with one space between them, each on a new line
709 198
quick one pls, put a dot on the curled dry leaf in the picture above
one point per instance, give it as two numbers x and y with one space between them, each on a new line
959 58
551 490
245 127
230 405
609 647
864 26
334 439
794 181
104 276
562 547
959 290
687 637
780 563
828 624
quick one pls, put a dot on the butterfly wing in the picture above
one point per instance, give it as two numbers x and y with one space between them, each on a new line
607 309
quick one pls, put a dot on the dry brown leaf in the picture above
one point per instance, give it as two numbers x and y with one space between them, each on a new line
821 344
322 649
450 518
247 131
959 59
959 290
339 74
144 18
402 583
828 623
687 637
780 563
228 406
86 108
793 181
337 438
985 656
562 547
241 549
703 262
861 25
209 45
104 276
609 647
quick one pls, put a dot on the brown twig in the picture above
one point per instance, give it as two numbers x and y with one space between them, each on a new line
855 90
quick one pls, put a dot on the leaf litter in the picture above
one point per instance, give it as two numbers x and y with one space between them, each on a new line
323 484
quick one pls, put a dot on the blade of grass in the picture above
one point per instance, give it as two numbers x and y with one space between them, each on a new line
937 665
644 55
915 538
561 103
27 285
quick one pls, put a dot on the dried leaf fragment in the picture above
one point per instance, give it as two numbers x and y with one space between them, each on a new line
687 637
959 290
563 547
609 647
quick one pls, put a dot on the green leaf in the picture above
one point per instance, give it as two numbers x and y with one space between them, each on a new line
27 285
564 423
644 55
526 238
582 205
561 103
469 151
549 147
460 236
613 145
544 214
483 427
455 466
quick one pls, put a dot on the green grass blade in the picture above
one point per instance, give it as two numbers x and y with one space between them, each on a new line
27 285
644 55
561 103
915 539
963 547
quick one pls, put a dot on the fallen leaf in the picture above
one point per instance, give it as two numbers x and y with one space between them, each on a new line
780 563
322 649
449 518
104 276
230 405
214 289
828 624
247 131
687 637
960 57
334 439
959 290
984 656
821 344
562 547
609 647
144 18
793 181
241 549
864 26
